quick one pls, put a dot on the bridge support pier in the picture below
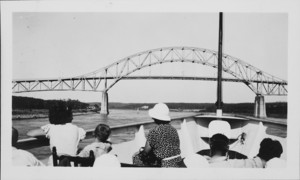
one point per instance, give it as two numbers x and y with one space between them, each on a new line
260 107
104 104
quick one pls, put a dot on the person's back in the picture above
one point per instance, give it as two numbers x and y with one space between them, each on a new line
62 134
269 149
162 147
238 163
65 137
219 146
164 140
100 146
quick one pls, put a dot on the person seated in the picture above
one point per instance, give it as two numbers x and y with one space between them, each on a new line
268 150
162 147
222 127
219 146
21 157
62 134
100 146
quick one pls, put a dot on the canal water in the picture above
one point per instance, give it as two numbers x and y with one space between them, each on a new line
91 120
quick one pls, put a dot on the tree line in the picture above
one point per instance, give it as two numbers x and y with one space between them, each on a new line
274 109
19 102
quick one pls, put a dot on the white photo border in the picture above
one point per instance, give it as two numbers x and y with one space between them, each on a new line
275 6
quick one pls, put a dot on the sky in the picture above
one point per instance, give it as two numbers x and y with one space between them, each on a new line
67 44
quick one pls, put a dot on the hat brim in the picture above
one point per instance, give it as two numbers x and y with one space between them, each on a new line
157 116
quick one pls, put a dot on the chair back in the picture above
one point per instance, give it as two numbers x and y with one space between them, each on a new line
65 160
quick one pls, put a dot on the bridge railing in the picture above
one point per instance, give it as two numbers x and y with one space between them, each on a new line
268 87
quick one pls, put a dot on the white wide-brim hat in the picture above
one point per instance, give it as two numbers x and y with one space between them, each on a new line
160 112
219 127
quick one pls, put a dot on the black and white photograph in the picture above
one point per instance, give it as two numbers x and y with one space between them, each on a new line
140 90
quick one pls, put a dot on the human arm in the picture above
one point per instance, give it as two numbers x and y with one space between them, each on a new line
36 133
85 152
150 140
147 148
43 131
82 133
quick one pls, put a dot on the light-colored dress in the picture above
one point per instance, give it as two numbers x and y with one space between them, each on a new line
99 148
24 158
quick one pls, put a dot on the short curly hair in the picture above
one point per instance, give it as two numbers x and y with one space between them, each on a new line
102 132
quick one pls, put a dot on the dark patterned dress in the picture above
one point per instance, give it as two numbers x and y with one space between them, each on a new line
164 141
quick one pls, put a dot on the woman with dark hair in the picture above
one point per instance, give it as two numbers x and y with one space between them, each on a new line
162 147
62 134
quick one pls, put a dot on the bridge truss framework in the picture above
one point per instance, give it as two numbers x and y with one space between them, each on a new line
261 83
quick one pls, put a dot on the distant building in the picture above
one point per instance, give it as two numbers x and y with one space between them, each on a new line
145 107
93 107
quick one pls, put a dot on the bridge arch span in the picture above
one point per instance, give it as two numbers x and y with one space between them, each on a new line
258 81
261 83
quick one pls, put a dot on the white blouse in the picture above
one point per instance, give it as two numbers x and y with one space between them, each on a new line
65 137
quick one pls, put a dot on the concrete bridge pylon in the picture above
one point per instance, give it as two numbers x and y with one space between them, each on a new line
104 104
260 107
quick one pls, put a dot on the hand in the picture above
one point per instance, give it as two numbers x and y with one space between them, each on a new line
141 149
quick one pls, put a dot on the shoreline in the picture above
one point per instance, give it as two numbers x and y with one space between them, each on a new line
43 113
21 117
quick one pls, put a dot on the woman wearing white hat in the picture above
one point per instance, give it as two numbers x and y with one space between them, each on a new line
162 141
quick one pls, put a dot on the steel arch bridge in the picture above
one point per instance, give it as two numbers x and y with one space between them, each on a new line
261 83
